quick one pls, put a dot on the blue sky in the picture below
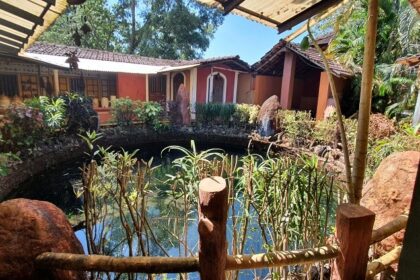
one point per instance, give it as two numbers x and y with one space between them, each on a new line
240 36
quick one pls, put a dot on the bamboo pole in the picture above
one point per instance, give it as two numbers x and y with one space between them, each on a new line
78 262
388 229
281 258
382 263
359 163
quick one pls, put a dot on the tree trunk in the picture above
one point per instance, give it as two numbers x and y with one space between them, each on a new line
359 164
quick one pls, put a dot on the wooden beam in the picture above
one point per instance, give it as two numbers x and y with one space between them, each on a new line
11 42
389 229
308 13
212 217
13 36
228 6
281 258
260 16
354 225
21 13
16 27
79 262
8 49
379 265
51 2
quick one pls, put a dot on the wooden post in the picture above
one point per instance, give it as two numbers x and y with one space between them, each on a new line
354 230
212 214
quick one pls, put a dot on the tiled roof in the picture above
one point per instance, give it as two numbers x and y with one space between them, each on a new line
310 54
61 50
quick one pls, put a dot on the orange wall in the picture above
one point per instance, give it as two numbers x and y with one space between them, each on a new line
266 86
132 86
245 88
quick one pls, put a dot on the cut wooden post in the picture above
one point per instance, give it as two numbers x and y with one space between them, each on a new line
212 214
354 230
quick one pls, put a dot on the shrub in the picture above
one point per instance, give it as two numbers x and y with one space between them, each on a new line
80 113
296 125
21 127
326 132
246 114
53 111
215 113
122 111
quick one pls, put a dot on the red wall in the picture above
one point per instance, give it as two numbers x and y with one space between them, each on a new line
203 73
132 86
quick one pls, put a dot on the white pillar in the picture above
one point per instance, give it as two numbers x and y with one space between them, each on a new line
235 87
193 91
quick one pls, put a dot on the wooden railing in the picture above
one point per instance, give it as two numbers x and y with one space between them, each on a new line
354 225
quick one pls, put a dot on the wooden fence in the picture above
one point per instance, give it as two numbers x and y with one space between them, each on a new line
354 226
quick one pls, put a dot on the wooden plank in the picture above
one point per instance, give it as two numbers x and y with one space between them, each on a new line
354 225
13 36
8 49
21 13
16 27
11 42
257 15
306 14
212 213
230 5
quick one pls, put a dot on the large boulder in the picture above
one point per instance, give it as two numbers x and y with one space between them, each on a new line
29 228
267 114
389 193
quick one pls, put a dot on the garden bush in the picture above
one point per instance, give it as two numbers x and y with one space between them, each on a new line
80 113
297 126
226 114
21 128
122 111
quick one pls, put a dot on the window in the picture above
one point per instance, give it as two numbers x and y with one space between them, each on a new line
9 85
63 84
157 88
108 87
29 86
77 85
92 88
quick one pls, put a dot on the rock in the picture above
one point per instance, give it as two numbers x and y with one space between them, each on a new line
267 114
389 193
28 228
183 104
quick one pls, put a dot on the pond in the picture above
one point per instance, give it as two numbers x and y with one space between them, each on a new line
166 218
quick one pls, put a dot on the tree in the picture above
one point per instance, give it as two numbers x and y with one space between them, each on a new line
97 15
173 29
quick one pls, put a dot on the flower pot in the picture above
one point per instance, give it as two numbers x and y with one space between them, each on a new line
95 102
4 104
113 98
105 102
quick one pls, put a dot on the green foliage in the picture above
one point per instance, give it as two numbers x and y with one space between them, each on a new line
179 29
326 132
296 125
398 25
404 140
226 114
149 113
122 111
5 160
80 113
21 128
100 18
